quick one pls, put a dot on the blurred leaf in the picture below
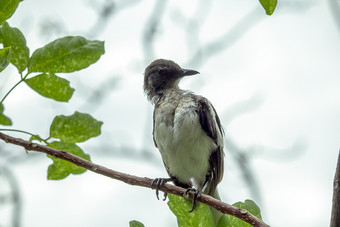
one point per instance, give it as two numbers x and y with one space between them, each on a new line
200 217
61 168
66 54
269 6
249 205
136 224
5 55
76 128
51 86
223 222
7 8
12 37
4 120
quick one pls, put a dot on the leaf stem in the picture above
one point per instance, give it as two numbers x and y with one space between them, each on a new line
28 133
11 90
17 130
22 79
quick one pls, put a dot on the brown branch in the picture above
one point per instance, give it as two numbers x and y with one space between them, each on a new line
335 219
134 180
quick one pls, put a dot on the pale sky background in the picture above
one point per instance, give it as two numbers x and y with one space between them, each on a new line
279 73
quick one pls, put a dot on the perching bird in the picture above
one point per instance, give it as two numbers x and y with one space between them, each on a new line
186 130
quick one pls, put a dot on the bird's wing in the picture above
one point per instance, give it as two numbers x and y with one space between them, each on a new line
153 128
211 125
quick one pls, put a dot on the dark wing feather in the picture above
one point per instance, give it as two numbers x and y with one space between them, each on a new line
153 128
211 125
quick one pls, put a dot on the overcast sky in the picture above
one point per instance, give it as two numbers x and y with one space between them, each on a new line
274 81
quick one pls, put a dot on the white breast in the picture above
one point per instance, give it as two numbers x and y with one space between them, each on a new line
184 146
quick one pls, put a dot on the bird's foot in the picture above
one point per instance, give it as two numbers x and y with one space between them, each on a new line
157 183
196 193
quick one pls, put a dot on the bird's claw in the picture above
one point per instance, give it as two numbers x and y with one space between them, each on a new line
157 183
196 193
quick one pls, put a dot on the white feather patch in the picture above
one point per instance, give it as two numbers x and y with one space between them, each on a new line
184 146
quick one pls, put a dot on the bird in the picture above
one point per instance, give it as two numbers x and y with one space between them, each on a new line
186 130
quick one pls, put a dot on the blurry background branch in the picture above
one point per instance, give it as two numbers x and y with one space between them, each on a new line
206 51
10 200
151 29
334 6
335 218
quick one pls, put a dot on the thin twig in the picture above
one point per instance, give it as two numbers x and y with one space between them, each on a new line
14 196
134 180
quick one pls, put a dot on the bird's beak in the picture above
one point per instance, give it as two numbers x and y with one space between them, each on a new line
188 72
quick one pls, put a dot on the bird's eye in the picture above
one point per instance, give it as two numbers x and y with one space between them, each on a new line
161 71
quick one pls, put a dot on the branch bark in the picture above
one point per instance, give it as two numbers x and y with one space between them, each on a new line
134 180
335 219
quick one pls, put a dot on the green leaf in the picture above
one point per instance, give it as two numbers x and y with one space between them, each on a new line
249 205
35 137
269 6
7 8
76 128
200 217
224 221
4 120
12 37
135 224
51 86
65 55
5 55
61 168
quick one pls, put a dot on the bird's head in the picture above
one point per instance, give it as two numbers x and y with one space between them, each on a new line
163 74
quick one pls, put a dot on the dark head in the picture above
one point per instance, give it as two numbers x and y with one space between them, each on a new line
163 74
